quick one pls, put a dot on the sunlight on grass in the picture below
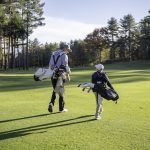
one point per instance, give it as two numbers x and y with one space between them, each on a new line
26 124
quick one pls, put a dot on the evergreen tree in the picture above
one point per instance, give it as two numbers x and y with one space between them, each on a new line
145 37
32 11
95 43
79 56
113 36
128 29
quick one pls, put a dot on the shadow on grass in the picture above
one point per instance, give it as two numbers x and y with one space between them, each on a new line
22 118
30 130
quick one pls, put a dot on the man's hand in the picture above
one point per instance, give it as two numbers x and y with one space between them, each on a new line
68 77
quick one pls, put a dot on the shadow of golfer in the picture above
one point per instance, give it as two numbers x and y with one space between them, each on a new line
22 118
29 130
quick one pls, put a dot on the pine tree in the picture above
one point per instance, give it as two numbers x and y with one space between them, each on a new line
113 36
128 27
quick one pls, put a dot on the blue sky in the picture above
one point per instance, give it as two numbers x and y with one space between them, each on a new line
73 19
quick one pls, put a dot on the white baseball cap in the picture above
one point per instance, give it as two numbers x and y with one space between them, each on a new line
67 46
99 67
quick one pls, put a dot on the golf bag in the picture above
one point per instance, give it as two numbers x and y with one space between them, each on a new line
106 93
59 75
43 73
59 71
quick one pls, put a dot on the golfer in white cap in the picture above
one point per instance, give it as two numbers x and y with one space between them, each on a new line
99 77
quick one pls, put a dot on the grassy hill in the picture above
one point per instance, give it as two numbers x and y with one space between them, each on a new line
25 123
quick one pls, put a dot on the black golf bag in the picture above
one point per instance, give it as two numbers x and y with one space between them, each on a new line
107 93
59 71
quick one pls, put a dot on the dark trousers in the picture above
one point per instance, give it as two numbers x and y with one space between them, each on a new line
53 98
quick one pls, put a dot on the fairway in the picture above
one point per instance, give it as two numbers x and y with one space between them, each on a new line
25 123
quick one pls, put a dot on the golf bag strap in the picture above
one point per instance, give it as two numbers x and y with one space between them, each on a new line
55 61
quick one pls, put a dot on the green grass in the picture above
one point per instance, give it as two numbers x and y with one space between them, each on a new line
25 123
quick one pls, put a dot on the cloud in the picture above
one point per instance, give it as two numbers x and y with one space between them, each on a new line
59 29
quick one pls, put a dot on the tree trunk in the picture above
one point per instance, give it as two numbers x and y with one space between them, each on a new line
27 63
5 64
1 50
12 54
8 54
130 52
18 58
23 55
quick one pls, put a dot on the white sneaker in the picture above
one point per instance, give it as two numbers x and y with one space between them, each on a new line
98 117
64 110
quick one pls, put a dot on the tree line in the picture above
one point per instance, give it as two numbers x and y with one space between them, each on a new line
123 40
18 18
120 40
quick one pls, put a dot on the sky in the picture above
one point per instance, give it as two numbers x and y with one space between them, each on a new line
73 19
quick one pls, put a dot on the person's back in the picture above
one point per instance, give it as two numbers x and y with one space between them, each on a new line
58 58
58 63
99 78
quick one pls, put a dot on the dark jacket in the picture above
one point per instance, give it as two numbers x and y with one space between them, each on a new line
100 78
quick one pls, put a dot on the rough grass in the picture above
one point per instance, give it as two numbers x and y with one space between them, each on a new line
25 123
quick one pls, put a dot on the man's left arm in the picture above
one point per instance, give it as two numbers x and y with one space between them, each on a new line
65 63
108 82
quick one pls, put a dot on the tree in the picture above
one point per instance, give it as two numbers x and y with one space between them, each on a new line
145 37
32 11
113 36
95 42
79 56
2 20
128 29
